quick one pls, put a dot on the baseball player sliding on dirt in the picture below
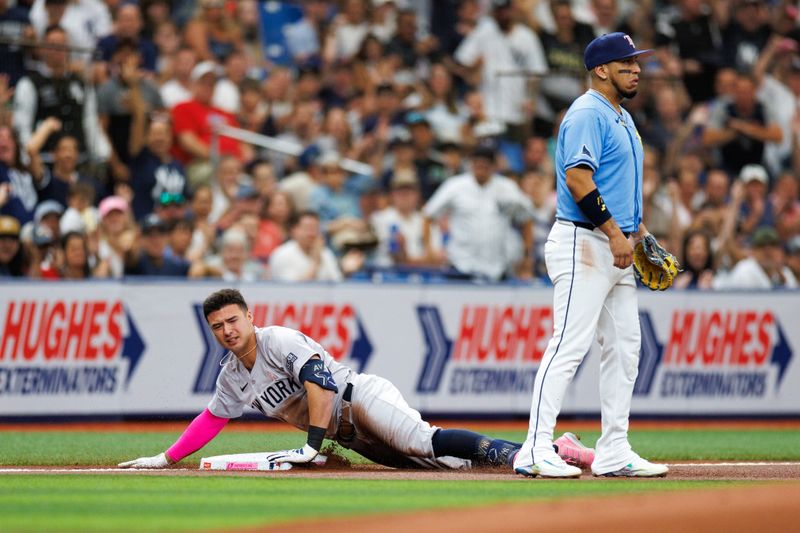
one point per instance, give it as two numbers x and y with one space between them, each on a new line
288 376
592 263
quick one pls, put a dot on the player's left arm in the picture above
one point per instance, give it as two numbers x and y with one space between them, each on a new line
321 392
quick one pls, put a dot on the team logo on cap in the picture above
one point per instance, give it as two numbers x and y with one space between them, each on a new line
630 41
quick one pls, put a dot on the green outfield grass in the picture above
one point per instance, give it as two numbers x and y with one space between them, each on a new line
78 448
151 503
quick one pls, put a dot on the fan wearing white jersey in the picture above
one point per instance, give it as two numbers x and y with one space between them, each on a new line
289 376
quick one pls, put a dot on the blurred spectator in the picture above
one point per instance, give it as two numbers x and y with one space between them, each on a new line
699 45
213 33
430 171
482 206
399 227
746 34
126 95
48 213
248 18
13 258
263 178
711 213
334 201
785 205
117 236
777 74
443 111
305 257
505 53
233 263
80 215
54 181
75 260
253 109
226 92
54 91
740 128
153 169
538 186
273 226
299 185
17 191
793 256
384 19
278 95
246 202
84 21
407 44
180 237
303 37
764 269
45 255
170 207
17 27
225 187
348 30
697 261
563 49
155 13
168 43
192 123
148 257
670 109
756 210
178 88
128 27
204 231
372 67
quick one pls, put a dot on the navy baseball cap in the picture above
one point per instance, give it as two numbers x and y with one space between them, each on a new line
610 47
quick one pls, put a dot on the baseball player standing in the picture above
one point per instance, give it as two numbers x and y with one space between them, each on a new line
589 255
288 376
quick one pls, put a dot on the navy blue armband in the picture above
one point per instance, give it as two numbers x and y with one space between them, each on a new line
594 208
315 372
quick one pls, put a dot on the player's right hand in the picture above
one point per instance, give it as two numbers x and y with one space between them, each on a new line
158 461
622 250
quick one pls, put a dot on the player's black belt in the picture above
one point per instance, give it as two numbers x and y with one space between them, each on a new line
348 392
587 225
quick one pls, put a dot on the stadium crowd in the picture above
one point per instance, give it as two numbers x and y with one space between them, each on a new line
110 165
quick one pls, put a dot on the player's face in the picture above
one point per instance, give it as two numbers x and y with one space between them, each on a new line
624 76
232 327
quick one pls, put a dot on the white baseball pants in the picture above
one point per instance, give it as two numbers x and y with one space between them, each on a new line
389 431
591 299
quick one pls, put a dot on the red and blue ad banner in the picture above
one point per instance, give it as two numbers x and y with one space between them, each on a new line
144 348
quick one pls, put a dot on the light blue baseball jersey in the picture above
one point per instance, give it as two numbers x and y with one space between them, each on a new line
594 134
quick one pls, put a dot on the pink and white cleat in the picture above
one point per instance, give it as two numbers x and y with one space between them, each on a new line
573 451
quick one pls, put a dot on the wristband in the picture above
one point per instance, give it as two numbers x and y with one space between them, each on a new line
315 436
594 208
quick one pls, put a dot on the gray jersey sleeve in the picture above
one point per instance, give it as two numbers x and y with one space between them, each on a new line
227 402
289 349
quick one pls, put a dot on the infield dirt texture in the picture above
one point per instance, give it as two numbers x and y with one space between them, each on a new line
724 476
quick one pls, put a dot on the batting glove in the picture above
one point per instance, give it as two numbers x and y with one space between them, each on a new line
158 461
305 454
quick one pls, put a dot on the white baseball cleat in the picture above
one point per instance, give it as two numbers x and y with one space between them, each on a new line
550 466
638 467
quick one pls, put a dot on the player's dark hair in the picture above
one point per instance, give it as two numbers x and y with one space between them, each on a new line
221 298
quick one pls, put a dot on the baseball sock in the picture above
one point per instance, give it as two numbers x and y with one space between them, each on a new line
474 446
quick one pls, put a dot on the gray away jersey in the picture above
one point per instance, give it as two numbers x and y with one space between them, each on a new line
273 386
